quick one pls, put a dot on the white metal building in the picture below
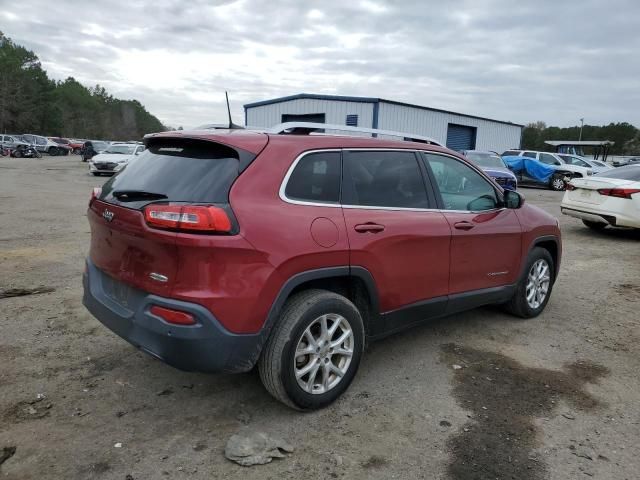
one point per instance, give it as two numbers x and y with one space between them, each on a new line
458 131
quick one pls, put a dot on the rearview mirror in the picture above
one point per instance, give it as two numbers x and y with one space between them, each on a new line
513 199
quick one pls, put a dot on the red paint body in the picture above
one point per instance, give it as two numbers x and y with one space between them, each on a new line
418 256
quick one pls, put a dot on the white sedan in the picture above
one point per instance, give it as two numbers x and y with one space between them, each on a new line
114 158
608 198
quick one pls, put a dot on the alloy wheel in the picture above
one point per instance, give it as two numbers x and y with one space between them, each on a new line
538 282
323 353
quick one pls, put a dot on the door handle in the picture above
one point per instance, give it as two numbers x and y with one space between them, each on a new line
463 225
368 227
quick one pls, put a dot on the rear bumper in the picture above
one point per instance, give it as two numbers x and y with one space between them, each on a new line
204 347
600 217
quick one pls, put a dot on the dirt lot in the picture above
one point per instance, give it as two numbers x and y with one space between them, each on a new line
479 395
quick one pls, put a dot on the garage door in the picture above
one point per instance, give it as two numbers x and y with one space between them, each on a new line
461 137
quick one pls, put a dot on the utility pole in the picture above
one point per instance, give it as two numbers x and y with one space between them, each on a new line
581 125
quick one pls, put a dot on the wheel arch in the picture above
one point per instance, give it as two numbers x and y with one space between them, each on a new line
550 243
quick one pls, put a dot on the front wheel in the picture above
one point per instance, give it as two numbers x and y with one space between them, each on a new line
534 288
557 182
314 351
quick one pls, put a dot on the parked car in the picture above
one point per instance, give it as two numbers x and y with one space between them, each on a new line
11 142
100 145
621 161
608 198
494 166
596 166
74 146
43 144
114 158
219 251
565 171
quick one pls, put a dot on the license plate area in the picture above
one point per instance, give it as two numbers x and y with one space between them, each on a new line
117 291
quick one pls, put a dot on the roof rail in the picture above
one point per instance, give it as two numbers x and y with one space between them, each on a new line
307 128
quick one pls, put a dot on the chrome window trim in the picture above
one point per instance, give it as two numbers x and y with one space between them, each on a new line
283 185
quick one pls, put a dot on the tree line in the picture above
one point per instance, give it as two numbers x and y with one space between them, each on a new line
31 102
625 136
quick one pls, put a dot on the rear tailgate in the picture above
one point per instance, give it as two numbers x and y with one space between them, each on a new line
173 172
124 247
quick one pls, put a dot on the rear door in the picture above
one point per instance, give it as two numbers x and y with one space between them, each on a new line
173 171
396 233
486 238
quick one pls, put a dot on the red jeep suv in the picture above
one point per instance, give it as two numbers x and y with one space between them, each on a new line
217 250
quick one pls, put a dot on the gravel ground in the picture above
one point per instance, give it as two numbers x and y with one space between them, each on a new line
478 395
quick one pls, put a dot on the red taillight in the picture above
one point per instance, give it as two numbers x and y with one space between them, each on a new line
95 193
190 218
570 187
173 316
618 192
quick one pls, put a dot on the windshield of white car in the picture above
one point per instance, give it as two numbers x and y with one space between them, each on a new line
120 149
629 172
488 160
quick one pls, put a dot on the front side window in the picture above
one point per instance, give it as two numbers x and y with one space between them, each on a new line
530 154
461 187
384 179
549 159
315 178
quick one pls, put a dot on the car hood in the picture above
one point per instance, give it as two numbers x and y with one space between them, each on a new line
498 172
112 157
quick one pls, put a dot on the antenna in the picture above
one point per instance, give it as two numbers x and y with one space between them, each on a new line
232 126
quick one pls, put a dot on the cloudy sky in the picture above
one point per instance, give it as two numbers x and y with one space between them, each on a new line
554 61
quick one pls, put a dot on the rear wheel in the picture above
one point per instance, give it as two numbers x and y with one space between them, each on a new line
534 288
53 151
557 182
595 225
314 351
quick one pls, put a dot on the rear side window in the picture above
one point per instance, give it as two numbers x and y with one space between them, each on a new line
530 154
315 178
175 170
509 153
549 159
384 179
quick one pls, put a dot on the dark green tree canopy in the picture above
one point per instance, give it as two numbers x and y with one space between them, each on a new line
30 102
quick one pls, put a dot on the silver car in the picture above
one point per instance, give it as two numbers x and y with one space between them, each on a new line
11 142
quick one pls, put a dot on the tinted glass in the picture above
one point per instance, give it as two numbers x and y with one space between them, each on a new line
530 154
180 170
548 159
316 178
629 172
385 179
461 187
511 153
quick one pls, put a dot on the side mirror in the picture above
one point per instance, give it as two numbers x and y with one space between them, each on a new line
513 199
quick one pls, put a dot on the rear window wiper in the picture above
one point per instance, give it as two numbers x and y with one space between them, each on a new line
131 195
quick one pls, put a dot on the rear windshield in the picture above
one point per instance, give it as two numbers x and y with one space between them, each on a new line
175 170
630 172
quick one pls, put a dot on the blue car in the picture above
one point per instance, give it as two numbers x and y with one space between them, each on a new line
494 166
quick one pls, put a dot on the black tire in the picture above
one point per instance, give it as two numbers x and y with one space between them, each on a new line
53 151
557 182
277 363
16 154
518 304
595 225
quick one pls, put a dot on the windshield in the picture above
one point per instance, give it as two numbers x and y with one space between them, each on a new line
99 145
489 160
120 149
